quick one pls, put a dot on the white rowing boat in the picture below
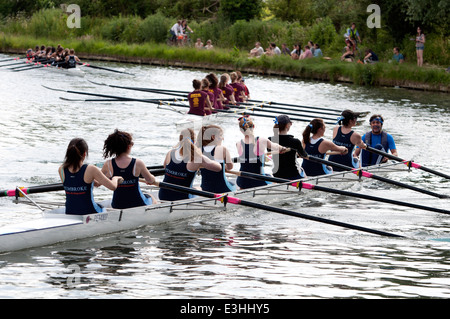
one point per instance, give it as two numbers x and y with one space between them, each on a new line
55 226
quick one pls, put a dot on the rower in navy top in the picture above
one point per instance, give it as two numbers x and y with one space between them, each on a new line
78 180
317 146
379 139
181 165
251 152
343 135
128 194
210 140
71 60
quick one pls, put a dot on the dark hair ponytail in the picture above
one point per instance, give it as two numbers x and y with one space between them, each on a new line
312 128
74 154
117 143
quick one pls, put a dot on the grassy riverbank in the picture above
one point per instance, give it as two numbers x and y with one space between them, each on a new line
381 74
137 40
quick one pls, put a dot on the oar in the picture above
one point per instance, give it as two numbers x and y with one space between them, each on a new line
12 59
301 184
9 64
59 186
34 66
102 68
360 172
172 104
233 200
408 163
295 105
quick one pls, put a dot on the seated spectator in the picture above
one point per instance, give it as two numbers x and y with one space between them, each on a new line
398 57
297 52
257 51
199 44
285 50
370 57
276 50
349 53
311 46
208 45
317 51
307 53
269 51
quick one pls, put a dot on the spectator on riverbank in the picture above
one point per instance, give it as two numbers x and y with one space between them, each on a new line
285 50
420 46
398 57
209 45
349 54
275 48
370 57
317 51
311 47
352 34
257 51
176 31
307 53
297 52
199 44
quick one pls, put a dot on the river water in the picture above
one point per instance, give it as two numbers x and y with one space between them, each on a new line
241 254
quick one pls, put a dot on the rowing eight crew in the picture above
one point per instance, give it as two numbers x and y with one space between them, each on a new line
210 94
64 58
121 173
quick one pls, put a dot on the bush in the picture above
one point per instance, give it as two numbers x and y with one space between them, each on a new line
155 28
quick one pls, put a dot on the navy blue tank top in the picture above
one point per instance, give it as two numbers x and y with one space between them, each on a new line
79 196
178 174
343 140
71 62
252 163
128 193
312 168
215 182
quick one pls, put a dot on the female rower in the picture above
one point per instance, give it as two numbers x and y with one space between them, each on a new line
227 90
211 97
128 194
210 140
251 152
78 180
199 100
214 88
286 165
316 146
343 135
239 92
71 60
181 165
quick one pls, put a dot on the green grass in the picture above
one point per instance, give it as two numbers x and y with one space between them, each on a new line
330 70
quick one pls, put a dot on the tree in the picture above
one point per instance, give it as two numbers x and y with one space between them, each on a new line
234 10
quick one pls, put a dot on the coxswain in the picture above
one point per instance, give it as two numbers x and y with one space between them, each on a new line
181 165
316 146
199 103
251 152
78 180
343 135
378 139
209 141
128 194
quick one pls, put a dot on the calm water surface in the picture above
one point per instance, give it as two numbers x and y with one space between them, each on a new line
242 253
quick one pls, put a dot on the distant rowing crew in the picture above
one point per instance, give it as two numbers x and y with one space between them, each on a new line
60 57
207 155
210 94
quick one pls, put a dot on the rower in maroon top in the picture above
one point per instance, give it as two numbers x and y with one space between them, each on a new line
198 100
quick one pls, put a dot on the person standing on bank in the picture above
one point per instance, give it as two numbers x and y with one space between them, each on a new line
376 138
420 46
128 194
285 165
78 180
343 135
